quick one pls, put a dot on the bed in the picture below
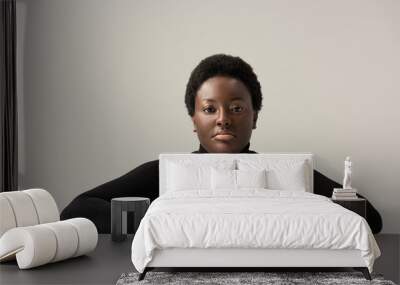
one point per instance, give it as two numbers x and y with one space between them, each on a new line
247 211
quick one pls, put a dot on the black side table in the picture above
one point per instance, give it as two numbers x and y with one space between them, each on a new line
119 209
358 205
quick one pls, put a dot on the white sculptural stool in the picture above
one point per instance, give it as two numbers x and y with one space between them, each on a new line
31 231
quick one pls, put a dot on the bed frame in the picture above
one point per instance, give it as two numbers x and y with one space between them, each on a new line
235 259
248 259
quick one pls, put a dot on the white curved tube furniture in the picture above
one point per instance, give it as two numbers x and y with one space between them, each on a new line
31 231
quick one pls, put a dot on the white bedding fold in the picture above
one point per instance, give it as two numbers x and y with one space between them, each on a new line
251 218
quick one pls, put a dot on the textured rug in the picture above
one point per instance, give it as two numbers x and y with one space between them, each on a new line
270 278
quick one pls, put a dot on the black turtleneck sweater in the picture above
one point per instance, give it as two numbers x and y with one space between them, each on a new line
143 182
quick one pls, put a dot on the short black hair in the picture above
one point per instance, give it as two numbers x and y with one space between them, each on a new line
223 65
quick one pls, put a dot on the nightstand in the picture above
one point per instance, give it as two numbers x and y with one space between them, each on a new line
358 205
119 208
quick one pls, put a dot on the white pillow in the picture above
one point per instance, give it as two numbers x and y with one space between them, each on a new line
293 178
236 179
223 179
251 178
281 174
186 175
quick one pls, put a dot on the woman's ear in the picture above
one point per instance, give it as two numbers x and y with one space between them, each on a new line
194 125
255 120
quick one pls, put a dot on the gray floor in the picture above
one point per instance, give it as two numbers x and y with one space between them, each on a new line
110 260
389 262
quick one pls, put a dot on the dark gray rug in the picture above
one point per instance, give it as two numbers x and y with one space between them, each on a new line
229 278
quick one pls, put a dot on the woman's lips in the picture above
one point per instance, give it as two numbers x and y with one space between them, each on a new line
224 137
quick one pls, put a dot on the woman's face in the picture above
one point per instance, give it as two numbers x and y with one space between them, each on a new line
224 115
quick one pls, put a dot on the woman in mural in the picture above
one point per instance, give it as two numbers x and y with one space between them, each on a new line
223 98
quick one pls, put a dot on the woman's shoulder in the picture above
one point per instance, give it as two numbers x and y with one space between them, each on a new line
150 164
146 167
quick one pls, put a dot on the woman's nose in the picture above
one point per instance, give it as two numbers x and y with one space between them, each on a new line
223 119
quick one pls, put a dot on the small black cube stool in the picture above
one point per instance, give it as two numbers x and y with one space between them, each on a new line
119 209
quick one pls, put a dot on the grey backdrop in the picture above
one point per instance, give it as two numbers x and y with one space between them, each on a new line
101 86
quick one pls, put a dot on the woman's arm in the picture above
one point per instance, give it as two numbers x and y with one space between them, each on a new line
324 186
95 204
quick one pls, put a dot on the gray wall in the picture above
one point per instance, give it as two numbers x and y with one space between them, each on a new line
102 83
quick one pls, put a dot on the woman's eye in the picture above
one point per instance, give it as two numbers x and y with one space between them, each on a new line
209 110
237 109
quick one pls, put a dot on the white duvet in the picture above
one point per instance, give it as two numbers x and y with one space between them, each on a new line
251 218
